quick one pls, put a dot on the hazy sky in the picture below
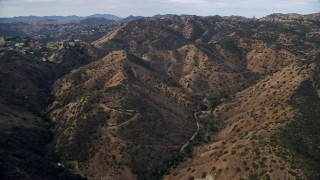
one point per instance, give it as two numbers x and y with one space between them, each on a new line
123 8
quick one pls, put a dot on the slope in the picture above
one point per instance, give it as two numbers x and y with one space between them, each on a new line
128 114
25 133
119 109
263 125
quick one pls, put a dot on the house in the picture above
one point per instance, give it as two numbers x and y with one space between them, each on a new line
72 44
2 41
19 45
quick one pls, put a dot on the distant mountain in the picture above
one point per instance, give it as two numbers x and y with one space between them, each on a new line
291 17
91 29
162 16
38 18
106 16
32 19
94 21
163 97
132 18
28 19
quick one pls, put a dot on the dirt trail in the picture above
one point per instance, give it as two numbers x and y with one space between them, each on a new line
194 135
136 116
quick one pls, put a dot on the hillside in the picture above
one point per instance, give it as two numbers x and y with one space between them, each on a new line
25 127
131 111
48 30
25 132
267 131
178 97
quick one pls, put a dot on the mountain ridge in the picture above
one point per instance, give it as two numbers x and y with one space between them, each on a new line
209 65
30 19
244 90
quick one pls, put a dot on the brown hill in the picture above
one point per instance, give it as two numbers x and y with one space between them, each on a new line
184 97
267 132
119 113
25 93
130 112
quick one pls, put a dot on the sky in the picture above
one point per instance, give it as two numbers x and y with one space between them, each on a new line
124 8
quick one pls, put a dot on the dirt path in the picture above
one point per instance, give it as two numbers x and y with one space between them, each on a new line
136 116
194 135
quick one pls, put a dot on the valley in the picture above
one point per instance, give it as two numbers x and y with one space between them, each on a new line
162 97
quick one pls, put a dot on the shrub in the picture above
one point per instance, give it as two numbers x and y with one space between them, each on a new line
255 166
204 174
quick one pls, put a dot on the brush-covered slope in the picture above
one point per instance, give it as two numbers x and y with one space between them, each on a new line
128 114
116 117
213 54
24 130
270 131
